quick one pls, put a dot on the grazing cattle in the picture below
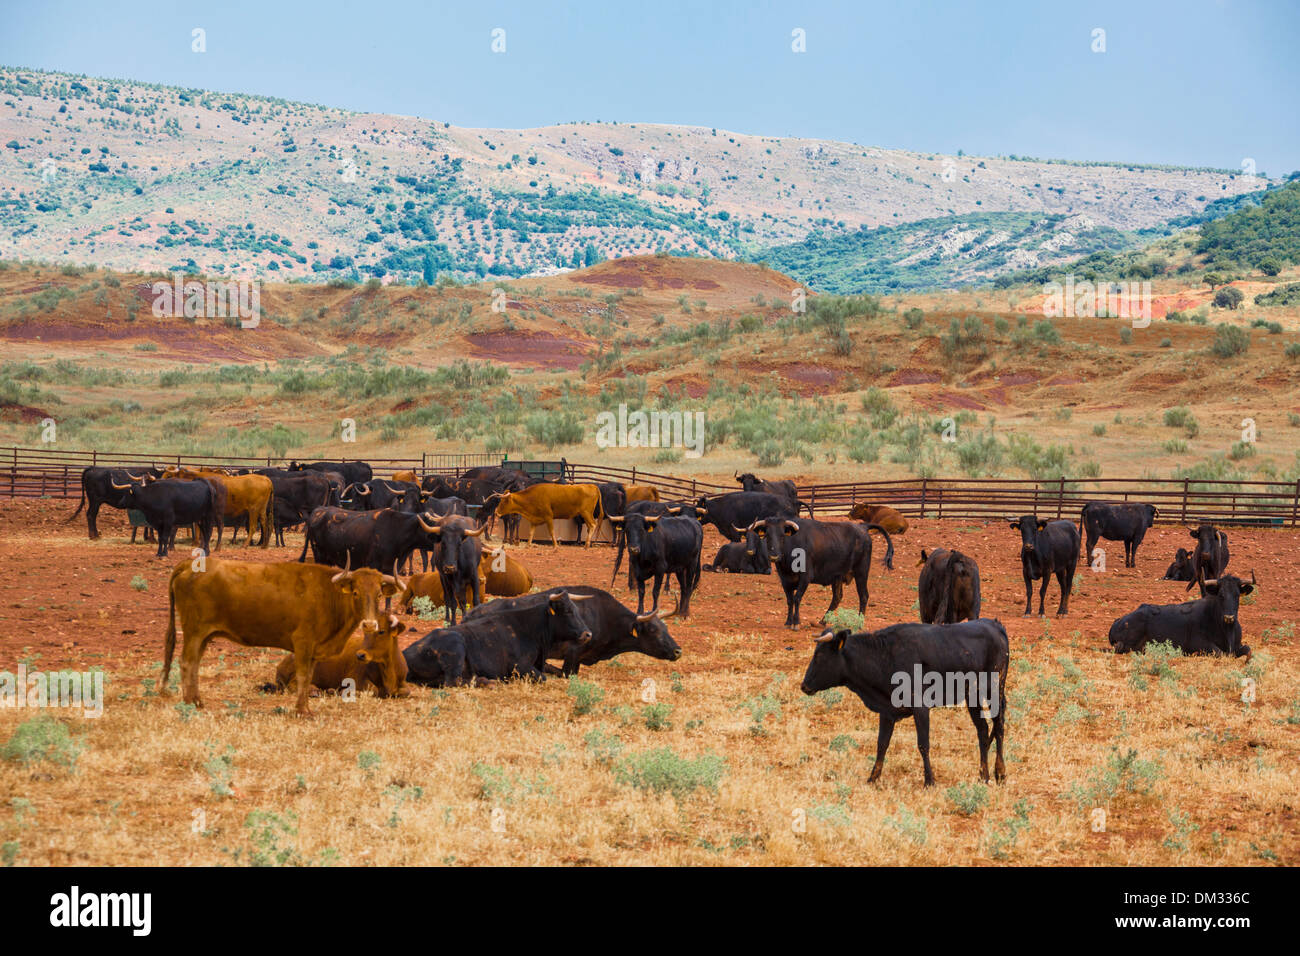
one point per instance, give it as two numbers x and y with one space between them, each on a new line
542 503
310 610
737 558
251 496
641 493
968 662
660 546
458 556
806 551
97 490
352 471
1181 569
167 505
949 587
1125 522
737 510
784 488
513 641
1209 625
1210 557
883 515
1047 548
367 539
366 660
615 629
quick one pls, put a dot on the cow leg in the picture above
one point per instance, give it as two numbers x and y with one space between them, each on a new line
640 601
1066 579
799 590
191 654
92 519
1089 545
999 731
860 582
134 529
982 731
550 526
885 732
789 605
659 583
683 594
1042 592
1029 594
165 532
922 717
302 666
837 595
591 525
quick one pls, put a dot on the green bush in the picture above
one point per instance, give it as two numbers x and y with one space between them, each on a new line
663 770
42 738
1230 341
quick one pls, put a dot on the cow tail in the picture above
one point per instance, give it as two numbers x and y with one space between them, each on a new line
306 540
618 555
1083 537
72 517
268 519
169 638
889 542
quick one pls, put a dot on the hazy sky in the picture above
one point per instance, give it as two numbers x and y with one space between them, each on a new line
1192 82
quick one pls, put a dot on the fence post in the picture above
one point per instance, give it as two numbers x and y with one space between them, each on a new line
1186 482
1060 498
1295 502
922 497
812 503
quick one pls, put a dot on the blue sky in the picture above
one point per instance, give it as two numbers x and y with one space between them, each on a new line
1196 82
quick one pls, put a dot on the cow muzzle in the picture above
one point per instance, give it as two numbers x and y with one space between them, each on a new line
1229 619
369 625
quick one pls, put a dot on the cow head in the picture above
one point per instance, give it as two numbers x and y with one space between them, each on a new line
768 534
653 639
1028 526
566 622
827 667
637 530
749 482
363 588
388 667
702 509
1227 592
450 533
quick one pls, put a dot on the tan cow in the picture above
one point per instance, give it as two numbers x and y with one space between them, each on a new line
407 475
642 493
309 609
251 495
542 503
513 580
883 515
376 663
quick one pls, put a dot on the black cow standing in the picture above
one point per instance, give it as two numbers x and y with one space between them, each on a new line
735 511
458 557
1125 522
1047 548
948 589
1207 626
97 490
1210 557
1181 569
169 504
808 551
660 546
969 661
785 488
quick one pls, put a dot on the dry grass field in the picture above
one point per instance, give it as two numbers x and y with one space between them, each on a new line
731 764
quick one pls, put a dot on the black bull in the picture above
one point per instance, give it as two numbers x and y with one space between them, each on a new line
1210 625
948 589
97 490
735 511
1127 522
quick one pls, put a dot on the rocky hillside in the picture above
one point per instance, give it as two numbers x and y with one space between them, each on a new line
140 176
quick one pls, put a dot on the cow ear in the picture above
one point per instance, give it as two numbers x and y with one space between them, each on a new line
1192 533
1015 525
1042 523
838 643
1246 588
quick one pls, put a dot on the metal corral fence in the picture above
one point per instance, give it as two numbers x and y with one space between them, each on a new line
38 472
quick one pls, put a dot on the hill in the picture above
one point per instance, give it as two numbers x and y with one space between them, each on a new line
138 176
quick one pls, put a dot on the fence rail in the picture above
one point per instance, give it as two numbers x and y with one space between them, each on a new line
40 472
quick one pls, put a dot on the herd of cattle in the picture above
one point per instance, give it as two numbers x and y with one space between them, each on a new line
362 531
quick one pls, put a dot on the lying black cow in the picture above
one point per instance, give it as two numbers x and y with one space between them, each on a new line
949 587
1210 557
735 511
169 504
736 557
1209 625
1047 548
615 629
967 662
1181 569
1125 522
513 641
660 546
97 490
808 552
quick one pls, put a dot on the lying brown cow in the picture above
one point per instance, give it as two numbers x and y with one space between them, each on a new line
310 609
511 580
883 515
377 663
542 503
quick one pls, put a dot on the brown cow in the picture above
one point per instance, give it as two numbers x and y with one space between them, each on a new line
511 581
883 515
407 475
544 502
251 495
309 609
368 661
641 493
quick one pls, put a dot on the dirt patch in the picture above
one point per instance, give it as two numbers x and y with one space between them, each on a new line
538 349
913 376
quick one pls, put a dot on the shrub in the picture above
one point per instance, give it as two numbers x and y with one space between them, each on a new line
968 798
586 695
42 739
663 770
1230 341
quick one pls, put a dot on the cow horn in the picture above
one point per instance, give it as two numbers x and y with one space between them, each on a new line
826 637
1252 576
791 524
475 534
581 597
1208 581
365 489
397 578
436 526
346 573
648 616
121 487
